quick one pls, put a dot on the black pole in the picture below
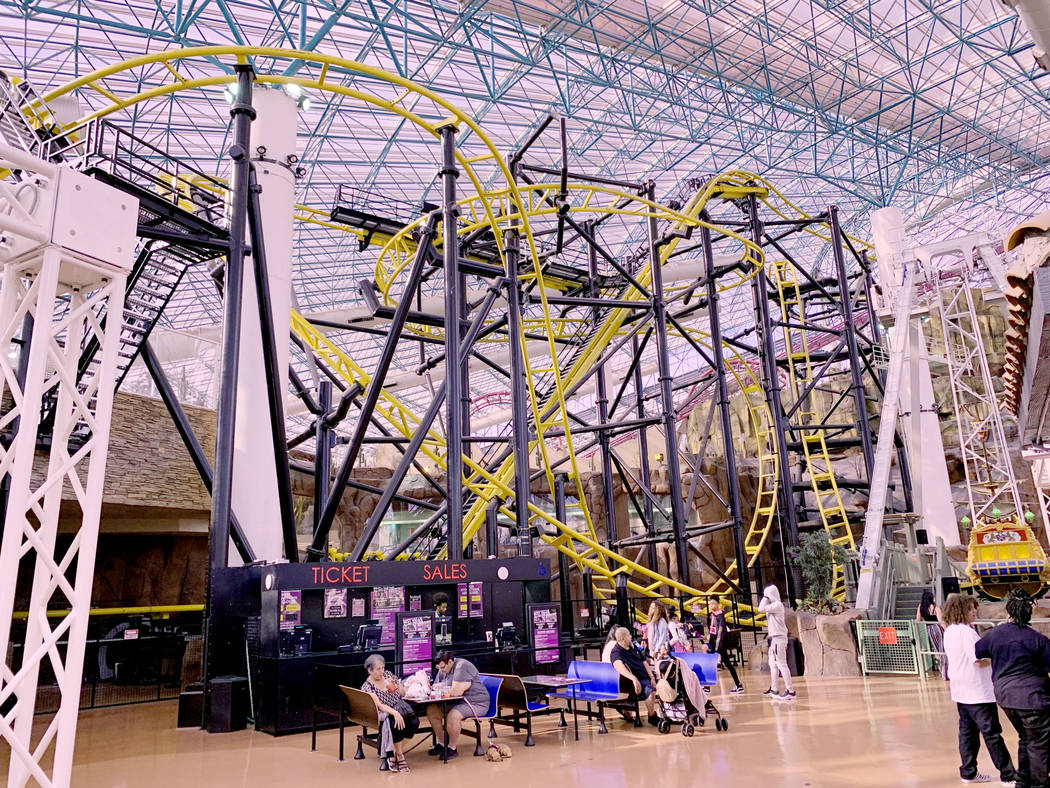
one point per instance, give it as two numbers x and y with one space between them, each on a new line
643 452
316 550
274 391
667 411
322 451
601 390
771 384
732 481
453 359
242 114
189 439
850 330
519 393
564 592
492 531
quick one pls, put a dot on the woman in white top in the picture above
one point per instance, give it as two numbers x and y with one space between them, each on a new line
656 629
971 687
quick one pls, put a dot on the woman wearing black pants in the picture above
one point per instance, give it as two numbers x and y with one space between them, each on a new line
716 643
1020 662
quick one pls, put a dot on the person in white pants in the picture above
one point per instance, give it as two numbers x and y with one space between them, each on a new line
778 642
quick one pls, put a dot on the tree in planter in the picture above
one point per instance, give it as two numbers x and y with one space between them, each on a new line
816 558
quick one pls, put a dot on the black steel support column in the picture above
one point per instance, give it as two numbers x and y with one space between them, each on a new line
602 402
322 451
564 593
453 359
850 330
643 453
189 440
316 550
242 114
274 391
725 420
519 394
492 531
771 384
667 412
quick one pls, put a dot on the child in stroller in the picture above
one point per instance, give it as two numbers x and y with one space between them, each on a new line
681 698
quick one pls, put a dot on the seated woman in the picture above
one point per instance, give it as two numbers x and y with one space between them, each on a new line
397 722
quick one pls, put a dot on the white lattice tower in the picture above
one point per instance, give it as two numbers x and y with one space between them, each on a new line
990 478
66 245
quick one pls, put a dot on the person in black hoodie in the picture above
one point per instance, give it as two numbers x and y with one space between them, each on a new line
716 642
1020 662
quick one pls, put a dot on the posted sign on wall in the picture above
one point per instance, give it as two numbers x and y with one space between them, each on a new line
415 641
544 632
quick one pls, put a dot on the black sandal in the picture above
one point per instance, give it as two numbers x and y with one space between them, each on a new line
391 763
402 765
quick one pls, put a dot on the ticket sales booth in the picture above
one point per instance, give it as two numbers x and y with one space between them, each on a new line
303 629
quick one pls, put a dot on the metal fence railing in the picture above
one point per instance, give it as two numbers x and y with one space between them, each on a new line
128 659
891 647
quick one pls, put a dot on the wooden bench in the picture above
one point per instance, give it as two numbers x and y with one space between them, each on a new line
361 709
605 687
513 695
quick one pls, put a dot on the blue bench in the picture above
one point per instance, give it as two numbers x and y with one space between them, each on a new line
605 687
705 666
514 696
492 684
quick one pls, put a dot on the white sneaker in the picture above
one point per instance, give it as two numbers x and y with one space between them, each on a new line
978 778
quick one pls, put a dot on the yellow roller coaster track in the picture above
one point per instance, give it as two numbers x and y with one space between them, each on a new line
497 208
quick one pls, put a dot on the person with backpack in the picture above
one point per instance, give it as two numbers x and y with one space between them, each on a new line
716 643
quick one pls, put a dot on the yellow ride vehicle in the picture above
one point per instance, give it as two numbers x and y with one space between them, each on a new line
1004 553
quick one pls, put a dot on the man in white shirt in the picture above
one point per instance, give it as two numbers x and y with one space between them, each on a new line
971 688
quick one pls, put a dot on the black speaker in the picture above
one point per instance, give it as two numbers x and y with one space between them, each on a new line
950 585
228 709
921 537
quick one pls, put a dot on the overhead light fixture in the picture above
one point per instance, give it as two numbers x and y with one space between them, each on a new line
294 90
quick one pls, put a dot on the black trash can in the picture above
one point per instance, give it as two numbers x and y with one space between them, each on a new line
229 704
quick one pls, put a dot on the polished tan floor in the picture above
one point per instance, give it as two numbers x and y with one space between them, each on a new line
840 732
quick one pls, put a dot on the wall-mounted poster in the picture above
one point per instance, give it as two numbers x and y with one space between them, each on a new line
415 641
477 607
335 603
415 602
291 610
387 602
357 607
463 597
544 632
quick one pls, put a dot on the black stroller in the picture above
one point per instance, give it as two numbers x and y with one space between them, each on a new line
673 704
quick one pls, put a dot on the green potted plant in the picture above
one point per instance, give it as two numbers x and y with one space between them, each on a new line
816 558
